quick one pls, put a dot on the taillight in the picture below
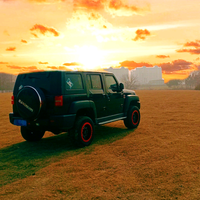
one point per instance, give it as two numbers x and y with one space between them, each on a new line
58 100
12 100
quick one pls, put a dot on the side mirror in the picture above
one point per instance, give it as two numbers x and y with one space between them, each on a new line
114 88
121 87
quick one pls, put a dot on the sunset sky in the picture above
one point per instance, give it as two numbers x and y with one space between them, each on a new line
97 34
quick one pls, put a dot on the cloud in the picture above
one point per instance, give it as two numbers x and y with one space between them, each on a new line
14 67
133 64
24 41
89 4
162 56
176 66
42 30
43 63
11 49
141 34
3 63
23 69
119 8
82 20
88 14
113 7
72 64
59 68
190 47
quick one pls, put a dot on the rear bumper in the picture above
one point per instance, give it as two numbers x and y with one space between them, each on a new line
56 122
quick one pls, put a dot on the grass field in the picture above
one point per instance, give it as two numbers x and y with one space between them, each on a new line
158 160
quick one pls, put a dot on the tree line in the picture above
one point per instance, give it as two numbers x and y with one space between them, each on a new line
7 81
191 82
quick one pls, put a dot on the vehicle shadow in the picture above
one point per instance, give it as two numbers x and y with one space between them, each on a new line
24 159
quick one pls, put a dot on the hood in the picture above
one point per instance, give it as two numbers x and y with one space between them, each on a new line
127 92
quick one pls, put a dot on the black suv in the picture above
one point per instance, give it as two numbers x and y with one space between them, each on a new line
73 102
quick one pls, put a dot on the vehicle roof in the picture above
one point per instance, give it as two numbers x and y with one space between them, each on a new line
53 71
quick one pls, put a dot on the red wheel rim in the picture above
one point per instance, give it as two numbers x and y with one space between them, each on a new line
86 132
135 117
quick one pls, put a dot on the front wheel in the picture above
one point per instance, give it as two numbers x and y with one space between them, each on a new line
31 135
133 118
82 133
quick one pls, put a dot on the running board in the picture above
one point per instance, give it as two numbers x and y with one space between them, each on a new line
111 120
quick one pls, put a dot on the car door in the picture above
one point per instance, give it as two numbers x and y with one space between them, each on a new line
115 100
97 94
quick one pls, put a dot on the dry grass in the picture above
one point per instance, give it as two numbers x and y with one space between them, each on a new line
158 160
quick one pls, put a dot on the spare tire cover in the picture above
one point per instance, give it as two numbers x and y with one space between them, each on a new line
30 101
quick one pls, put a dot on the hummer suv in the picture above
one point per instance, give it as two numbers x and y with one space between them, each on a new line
71 101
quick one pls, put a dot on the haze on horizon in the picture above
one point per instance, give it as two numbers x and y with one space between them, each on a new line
97 34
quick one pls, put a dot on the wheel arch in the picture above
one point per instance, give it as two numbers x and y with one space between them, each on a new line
84 108
131 100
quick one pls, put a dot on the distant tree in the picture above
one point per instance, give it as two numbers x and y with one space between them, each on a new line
197 87
129 83
193 80
174 83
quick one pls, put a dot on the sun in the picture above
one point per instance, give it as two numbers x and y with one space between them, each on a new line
90 57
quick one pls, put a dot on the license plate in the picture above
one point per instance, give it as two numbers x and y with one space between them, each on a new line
20 122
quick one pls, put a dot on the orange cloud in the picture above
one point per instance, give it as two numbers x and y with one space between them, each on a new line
190 47
11 49
133 64
162 56
43 63
23 69
177 66
52 67
114 7
72 64
118 5
46 31
89 4
58 68
3 63
141 34
14 67
24 41
88 14
195 44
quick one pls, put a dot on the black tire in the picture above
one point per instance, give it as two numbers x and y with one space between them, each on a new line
31 135
30 102
133 118
83 132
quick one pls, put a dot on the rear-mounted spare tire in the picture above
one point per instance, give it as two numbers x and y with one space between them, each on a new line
30 102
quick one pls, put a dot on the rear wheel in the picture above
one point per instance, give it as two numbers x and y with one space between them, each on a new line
31 135
82 133
133 118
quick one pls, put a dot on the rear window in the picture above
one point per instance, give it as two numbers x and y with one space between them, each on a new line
49 82
73 81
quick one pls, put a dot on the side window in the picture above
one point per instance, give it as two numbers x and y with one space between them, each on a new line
73 82
94 82
110 83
